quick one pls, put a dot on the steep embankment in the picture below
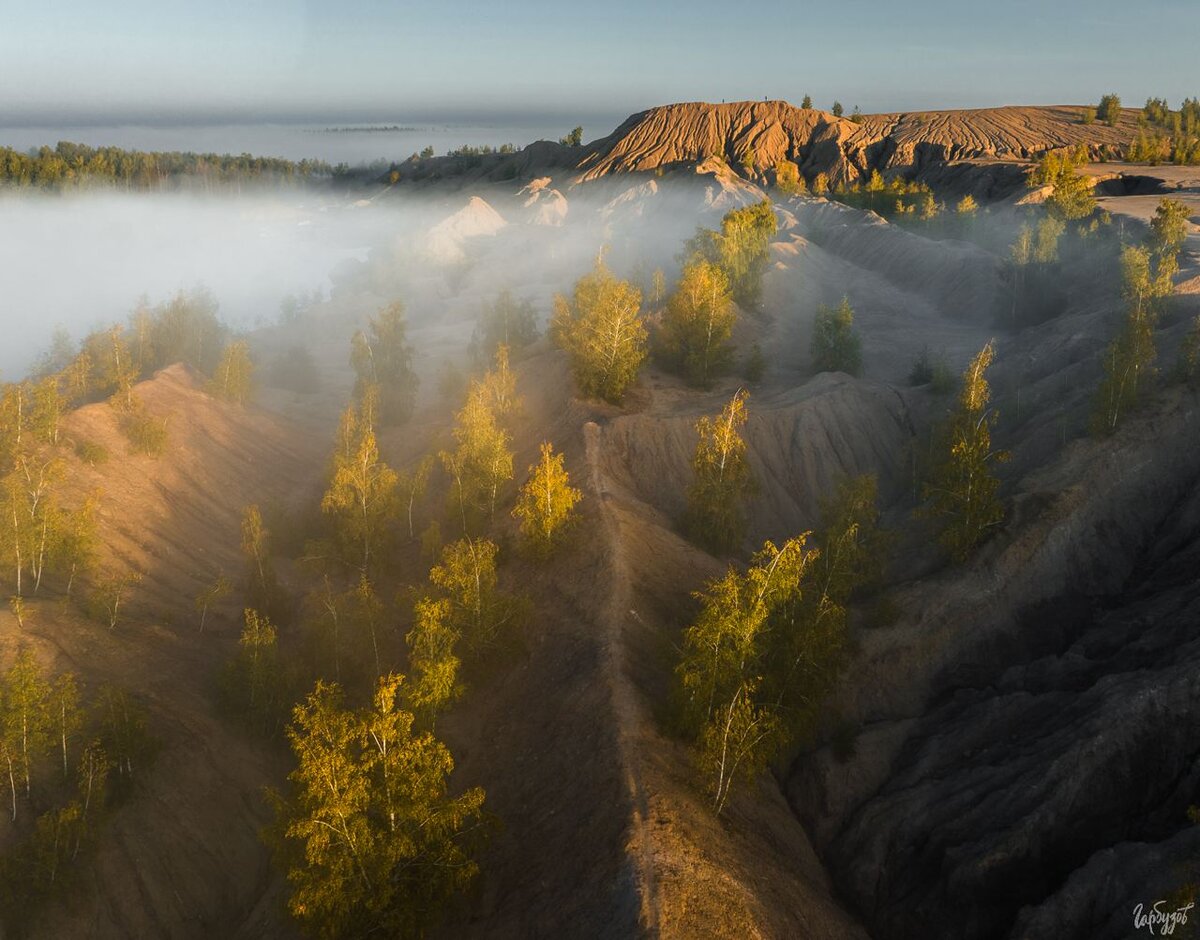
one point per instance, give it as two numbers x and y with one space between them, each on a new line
800 442
688 134
538 726
914 140
182 858
755 873
567 733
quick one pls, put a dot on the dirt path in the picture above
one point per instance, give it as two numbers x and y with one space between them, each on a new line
627 709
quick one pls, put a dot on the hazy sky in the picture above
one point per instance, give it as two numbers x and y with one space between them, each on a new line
78 60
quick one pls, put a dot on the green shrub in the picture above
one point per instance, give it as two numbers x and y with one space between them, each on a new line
755 366
91 453
1109 110
296 371
146 433
934 372
836 346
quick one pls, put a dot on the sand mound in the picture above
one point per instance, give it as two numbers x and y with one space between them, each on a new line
446 241
631 204
543 204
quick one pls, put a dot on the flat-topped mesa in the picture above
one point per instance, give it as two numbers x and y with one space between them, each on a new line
754 136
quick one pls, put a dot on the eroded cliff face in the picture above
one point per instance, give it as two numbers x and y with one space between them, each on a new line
757 135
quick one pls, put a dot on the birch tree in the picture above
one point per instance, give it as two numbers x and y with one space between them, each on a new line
715 516
724 659
961 495
66 715
210 595
698 322
741 248
253 680
481 463
363 501
602 331
233 378
460 617
547 502
256 549
1147 278
411 486
26 715
370 838
382 357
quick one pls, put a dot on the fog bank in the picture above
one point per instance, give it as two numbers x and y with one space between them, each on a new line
82 261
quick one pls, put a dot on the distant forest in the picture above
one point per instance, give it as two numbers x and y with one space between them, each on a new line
70 166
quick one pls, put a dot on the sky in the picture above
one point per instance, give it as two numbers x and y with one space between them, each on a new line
79 61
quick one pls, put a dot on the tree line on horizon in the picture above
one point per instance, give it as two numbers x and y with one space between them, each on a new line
75 166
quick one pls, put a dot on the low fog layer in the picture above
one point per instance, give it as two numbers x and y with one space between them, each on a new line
83 261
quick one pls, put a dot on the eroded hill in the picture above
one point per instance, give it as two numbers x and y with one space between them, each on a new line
750 138
761 134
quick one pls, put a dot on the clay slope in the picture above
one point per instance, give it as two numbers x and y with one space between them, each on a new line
1027 729
176 518
182 857
680 134
752 874
800 442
